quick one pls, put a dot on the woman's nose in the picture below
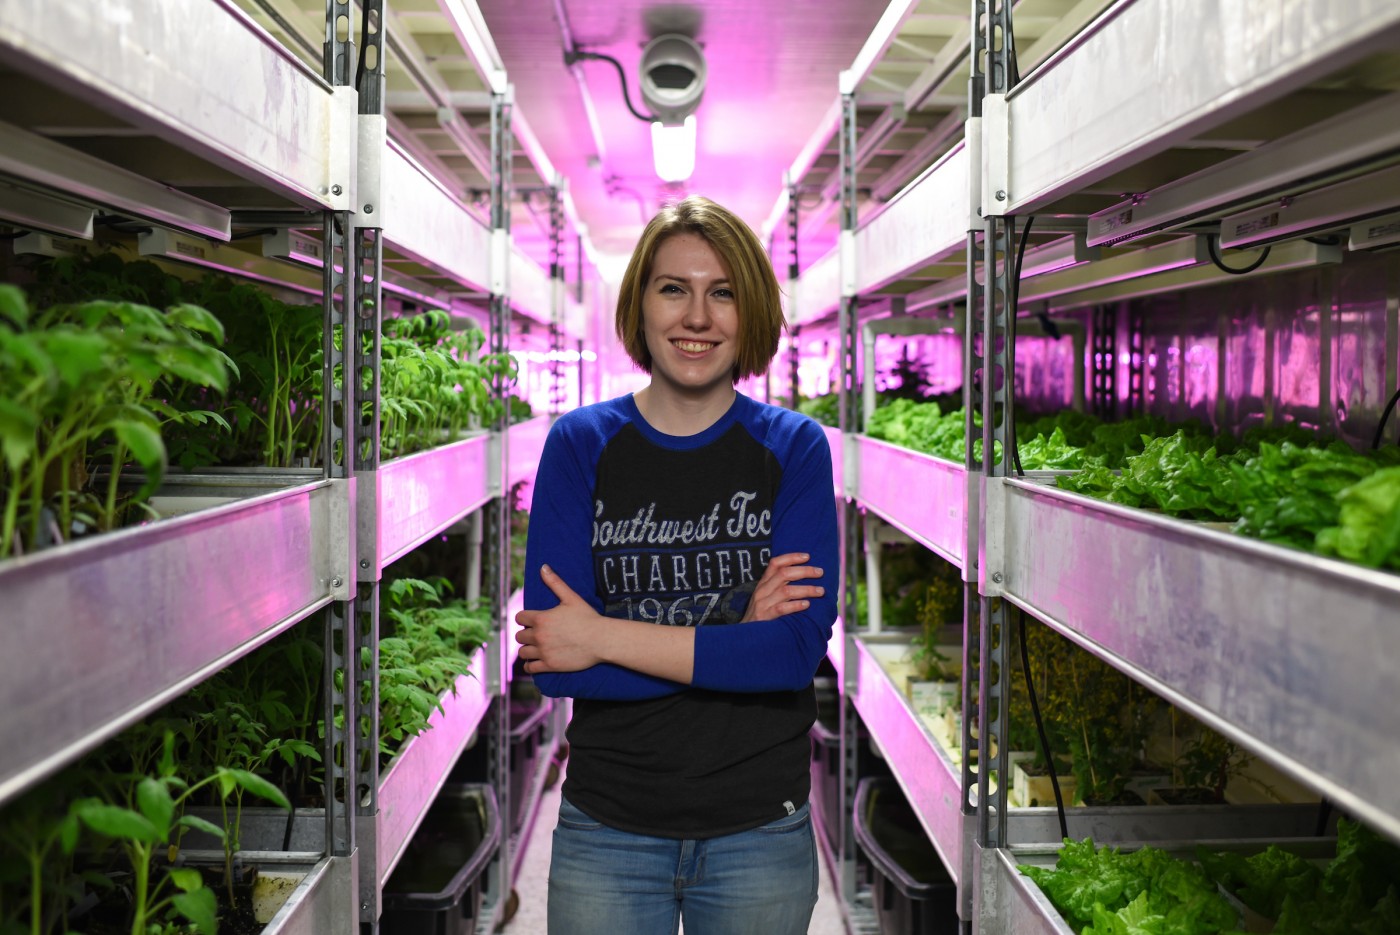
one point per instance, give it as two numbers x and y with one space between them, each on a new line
697 313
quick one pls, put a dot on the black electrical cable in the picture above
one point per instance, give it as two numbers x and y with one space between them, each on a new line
1385 416
364 31
1213 246
576 54
1040 726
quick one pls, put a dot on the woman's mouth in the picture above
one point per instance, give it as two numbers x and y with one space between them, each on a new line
693 347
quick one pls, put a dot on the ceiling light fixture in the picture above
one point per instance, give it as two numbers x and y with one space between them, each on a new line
673 72
673 149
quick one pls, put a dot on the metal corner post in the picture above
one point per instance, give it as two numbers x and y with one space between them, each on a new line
497 533
988 384
850 525
557 294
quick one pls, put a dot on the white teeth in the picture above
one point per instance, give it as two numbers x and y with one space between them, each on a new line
694 347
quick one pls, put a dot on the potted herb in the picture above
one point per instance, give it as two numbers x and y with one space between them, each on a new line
1203 763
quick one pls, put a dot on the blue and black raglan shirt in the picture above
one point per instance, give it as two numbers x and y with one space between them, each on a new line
677 531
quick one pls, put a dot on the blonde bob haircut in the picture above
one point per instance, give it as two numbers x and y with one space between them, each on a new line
757 298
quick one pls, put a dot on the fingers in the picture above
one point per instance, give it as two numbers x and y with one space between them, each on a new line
788 558
791 566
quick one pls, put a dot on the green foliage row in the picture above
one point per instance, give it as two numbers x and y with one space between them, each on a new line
94 375
1282 484
435 384
90 385
1323 498
1102 891
113 826
429 642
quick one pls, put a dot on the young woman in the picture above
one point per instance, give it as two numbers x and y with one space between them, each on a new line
681 586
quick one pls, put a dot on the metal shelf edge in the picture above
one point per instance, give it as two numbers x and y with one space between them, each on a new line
417 774
138 616
929 779
257 111
938 520
411 499
1249 637
321 904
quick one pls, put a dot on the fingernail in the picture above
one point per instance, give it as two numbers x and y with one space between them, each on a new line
547 568
821 591
803 603
804 557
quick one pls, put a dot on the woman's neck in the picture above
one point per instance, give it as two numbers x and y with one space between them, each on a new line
677 414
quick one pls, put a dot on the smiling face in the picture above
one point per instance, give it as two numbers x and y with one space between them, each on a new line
690 320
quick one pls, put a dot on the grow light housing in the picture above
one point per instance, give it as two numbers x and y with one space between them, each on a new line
1325 209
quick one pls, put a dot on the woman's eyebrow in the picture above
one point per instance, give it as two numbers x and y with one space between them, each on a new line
721 281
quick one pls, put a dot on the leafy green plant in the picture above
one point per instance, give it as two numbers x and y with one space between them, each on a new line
1202 758
275 408
1357 893
38 835
1093 714
435 383
1102 891
430 645
82 385
148 818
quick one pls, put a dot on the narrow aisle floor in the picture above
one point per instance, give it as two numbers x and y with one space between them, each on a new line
533 884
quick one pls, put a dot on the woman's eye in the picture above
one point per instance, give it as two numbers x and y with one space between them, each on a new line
723 294
670 287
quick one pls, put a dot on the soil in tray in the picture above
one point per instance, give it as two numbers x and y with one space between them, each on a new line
113 915
1126 797
1183 795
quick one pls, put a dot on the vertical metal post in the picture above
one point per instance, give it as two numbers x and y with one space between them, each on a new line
365 267
794 269
337 446
1137 363
497 547
794 361
987 392
557 292
848 388
1104 342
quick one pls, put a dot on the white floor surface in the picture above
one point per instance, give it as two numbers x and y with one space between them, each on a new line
532 886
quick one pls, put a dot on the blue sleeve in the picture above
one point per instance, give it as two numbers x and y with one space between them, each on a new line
783 654
561 535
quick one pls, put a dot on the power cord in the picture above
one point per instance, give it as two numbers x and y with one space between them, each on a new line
1040 726
575 55
364 31
1385 416
1213 247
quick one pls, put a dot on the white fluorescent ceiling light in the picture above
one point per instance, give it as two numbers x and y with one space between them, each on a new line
673 150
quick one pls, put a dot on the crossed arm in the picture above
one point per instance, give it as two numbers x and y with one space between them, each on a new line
573 636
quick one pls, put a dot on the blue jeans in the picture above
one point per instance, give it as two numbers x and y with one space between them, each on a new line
608 882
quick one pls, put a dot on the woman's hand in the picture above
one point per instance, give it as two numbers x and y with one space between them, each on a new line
558 639
776 594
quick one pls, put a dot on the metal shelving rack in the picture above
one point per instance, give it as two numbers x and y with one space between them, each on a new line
1229 629
146 613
